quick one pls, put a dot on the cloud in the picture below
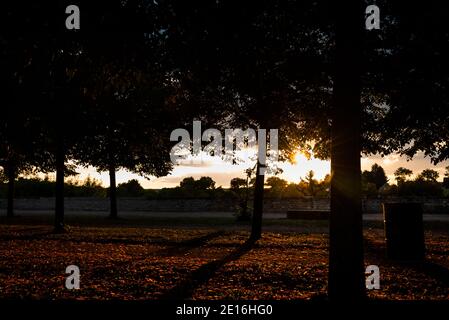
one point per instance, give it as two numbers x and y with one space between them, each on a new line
391 159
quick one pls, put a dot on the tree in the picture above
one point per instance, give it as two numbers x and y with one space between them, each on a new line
376 176
401 174
420 187
202 184
16 152
48 79
325 183
61 76
237 183
276 183
125 85
346 264
188 183
132 140
446 178
311 183
411 102
428 175
277 186
415 109
69 124
206 183
131 188
265 62
20 134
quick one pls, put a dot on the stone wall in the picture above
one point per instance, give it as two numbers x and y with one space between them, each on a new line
189 205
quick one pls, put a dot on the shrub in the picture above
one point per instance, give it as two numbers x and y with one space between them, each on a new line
132 188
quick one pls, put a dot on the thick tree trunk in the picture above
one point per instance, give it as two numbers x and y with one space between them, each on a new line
59 192
11 180
346 270
112 193
256 227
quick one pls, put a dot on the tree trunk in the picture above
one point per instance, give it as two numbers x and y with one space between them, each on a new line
11 180
59 193
256 227
346 270
113 193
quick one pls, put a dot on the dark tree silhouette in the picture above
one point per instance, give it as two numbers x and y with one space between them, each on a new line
401 174
19 133
261 62
125 94
428 175
413 75
48 83
63 113
376 176
346 272
132 188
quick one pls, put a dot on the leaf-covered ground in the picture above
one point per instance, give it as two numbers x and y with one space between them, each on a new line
199 263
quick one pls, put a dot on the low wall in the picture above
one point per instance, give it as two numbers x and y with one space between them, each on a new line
439 206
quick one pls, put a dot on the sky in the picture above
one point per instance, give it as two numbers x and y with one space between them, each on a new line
222 172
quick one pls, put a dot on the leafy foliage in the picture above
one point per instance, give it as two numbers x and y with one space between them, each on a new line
401 174
376 176
37 187
131 188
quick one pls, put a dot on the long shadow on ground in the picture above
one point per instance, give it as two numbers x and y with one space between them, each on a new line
176 246
185 289
186 245
39 235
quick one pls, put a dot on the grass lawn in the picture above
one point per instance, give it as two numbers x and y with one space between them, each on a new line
200 259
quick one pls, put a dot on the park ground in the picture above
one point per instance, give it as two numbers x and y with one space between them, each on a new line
200 258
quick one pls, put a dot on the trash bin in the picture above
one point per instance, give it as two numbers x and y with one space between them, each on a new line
404 231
